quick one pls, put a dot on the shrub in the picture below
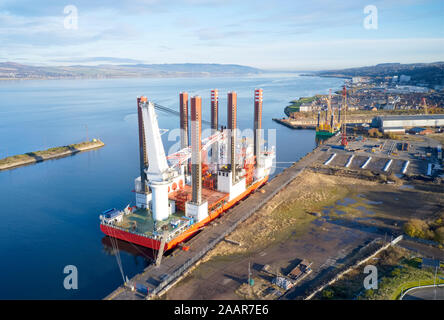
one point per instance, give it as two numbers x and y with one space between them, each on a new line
327 294
416 228
439 234
396 272
391 135
369 294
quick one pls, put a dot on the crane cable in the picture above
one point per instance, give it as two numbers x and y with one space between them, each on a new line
116 250
177 113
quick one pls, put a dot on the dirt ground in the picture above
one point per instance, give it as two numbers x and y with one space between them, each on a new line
318 217
438 137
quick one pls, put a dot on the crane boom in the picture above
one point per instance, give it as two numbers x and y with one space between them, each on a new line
424 104
184 154
344 124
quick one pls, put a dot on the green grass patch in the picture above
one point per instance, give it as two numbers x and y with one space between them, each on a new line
299 213
395 272
296 104
411 284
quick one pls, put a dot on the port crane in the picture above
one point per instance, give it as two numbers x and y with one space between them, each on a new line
174 112
344 123
424 105
329 110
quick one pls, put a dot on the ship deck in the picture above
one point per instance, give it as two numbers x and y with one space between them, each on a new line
213 197
142 222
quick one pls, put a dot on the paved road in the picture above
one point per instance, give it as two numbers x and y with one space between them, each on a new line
425 294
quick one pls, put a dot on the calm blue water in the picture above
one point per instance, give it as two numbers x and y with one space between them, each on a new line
49 211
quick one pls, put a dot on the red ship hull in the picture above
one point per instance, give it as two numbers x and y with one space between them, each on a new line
155 244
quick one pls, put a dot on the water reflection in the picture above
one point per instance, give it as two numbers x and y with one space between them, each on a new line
137 251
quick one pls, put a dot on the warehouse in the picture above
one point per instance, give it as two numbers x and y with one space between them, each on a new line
398 123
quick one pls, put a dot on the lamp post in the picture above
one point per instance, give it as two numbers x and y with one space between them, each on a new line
434 280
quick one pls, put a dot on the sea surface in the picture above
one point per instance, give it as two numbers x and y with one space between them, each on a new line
49 211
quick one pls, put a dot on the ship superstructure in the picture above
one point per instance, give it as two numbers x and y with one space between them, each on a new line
178 194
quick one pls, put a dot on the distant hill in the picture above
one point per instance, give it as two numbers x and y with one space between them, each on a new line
426 73
12 70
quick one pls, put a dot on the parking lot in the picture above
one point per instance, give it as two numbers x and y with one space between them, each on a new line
411 156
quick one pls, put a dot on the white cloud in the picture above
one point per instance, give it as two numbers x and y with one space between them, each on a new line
282 34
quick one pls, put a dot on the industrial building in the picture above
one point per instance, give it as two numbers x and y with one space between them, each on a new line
401 123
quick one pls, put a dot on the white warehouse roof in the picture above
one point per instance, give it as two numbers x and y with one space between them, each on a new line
430 120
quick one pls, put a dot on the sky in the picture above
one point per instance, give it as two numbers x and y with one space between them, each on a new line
274 35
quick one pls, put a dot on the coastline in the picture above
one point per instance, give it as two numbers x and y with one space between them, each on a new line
154 76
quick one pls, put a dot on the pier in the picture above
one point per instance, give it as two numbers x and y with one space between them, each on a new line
311 124
51 153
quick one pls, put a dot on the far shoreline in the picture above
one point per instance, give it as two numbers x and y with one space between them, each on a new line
267 74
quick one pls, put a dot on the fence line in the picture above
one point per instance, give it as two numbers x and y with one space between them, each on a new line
341 274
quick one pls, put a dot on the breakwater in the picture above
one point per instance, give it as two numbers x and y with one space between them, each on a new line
51 153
